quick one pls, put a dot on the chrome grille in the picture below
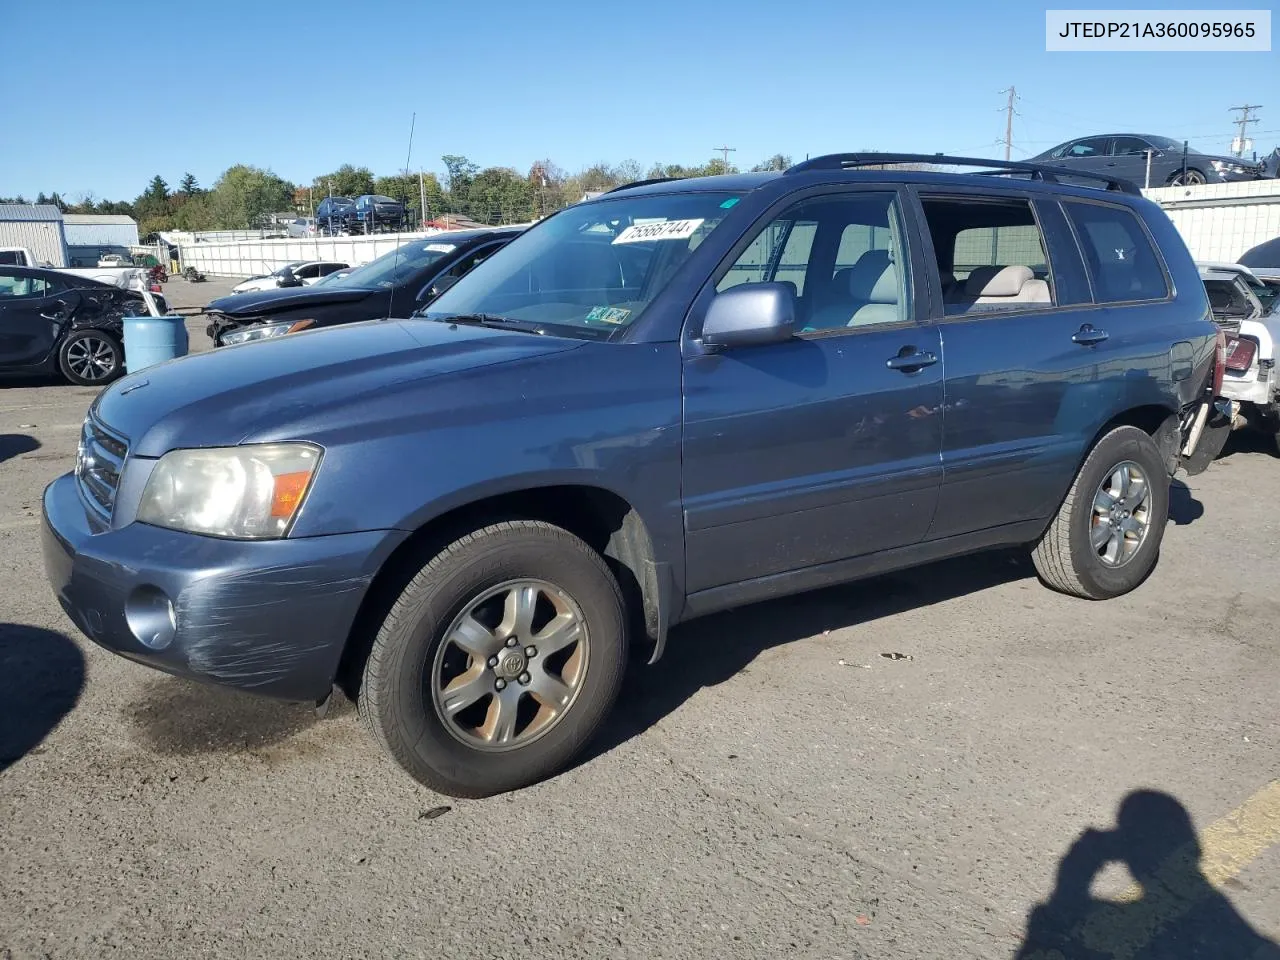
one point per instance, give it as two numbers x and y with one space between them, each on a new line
99 461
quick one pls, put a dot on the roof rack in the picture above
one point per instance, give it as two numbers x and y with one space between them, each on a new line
640 183
1035 171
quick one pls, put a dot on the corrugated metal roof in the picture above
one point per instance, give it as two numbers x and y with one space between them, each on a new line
29 211
98 218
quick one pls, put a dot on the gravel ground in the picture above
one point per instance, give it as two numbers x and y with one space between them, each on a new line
889 769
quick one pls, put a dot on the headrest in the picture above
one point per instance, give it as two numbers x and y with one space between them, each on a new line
997 281
873 279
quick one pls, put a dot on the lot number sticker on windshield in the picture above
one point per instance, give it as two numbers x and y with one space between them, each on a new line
666 230
440 247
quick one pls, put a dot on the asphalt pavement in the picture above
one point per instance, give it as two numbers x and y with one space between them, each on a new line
905 767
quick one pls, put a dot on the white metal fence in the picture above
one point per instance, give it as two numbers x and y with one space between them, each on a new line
249 258
1220 221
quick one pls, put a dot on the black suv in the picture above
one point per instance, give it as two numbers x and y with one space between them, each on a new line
677 398
394 285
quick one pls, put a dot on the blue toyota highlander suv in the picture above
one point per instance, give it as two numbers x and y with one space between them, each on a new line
680 397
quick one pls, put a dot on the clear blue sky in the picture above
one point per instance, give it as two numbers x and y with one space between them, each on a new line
301 87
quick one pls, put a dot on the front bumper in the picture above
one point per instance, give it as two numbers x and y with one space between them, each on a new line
270 617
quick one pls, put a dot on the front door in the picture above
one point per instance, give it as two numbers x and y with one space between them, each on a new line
825 446
31 318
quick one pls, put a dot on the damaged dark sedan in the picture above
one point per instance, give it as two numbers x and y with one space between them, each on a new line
53 321
396 284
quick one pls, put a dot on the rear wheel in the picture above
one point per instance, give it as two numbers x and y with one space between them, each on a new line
499 660
90 358
1106 536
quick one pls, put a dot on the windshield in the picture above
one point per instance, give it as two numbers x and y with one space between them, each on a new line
287 268
384 200
590 270
1164 143
396 266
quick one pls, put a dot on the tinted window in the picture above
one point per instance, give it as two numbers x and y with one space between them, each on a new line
1121 261
1129 146
11 258
13 286
1082 148
844 256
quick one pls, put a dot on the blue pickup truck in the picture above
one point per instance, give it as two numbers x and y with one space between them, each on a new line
680 397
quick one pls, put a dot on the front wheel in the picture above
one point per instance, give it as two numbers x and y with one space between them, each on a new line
91 358
499 660
1106 536
1192 178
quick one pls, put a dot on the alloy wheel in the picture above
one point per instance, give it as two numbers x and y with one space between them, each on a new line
1121 514
91 358
510 666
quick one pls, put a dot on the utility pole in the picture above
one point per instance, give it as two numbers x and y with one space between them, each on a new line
1238 148
422 198
1008 121
725 151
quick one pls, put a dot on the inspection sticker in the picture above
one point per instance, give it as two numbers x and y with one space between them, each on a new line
665 230
440 248
609 314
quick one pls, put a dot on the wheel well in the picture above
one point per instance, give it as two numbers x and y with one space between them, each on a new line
1159 422
602 519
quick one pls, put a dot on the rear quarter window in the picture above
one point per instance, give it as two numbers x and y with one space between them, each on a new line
1123 264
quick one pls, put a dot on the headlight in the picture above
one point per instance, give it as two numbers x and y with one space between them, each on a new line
1222 166
245 334
245 493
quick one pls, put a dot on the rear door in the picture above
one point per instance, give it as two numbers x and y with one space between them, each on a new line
1026 380
31 318
1129 159
826 446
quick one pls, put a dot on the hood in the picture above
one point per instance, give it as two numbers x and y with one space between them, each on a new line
258 302
303 385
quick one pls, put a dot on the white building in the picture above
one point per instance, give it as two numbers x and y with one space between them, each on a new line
35 227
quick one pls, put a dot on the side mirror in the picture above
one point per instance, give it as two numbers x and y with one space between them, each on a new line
750 314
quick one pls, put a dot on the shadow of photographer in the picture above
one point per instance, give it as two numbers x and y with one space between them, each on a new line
1172 912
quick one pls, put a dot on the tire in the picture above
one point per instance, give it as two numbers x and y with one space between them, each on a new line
1192 178
1066 557
404 689
91 358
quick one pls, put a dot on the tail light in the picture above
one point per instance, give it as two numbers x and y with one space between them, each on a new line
1240 354
1219 363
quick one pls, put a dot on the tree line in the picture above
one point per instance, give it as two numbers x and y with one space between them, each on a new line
244 197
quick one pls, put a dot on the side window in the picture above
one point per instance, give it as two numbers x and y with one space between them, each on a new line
991 254
843 255
309 272
1123 265
1129 147
14 286
328 268
1093 147
10 258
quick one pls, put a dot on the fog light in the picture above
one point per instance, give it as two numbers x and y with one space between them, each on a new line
149 613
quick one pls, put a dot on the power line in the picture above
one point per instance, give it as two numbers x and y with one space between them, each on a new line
726 151
1241 144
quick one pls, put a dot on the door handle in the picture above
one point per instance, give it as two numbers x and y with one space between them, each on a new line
909 360
1088 335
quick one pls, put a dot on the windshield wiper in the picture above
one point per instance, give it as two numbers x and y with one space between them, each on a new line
492 320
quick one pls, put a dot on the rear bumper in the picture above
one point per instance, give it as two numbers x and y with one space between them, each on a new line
268 617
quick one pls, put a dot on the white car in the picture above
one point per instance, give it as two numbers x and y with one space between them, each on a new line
1250 379
300 273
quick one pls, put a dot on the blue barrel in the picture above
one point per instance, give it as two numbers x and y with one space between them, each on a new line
152 340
